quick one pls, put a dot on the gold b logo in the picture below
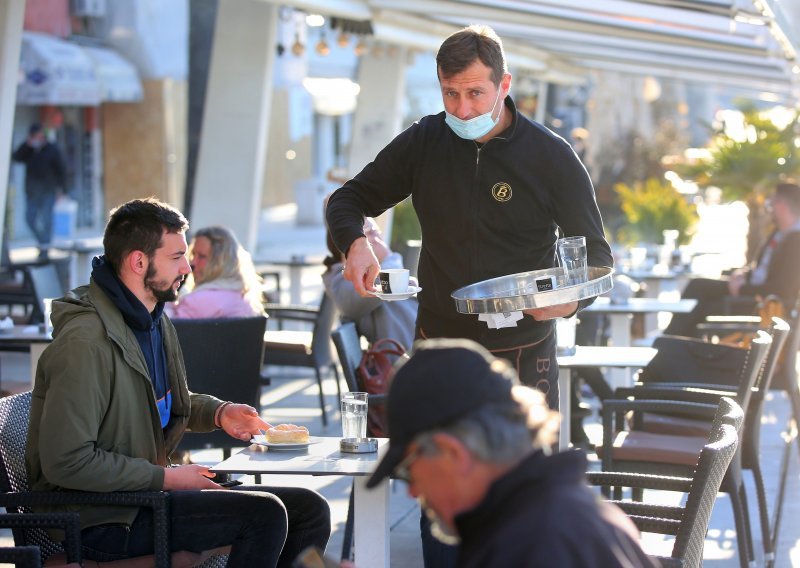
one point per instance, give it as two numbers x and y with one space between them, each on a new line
501 191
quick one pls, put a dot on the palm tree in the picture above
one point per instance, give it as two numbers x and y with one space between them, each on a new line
747 166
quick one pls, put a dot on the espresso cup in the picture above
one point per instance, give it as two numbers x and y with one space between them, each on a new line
394 280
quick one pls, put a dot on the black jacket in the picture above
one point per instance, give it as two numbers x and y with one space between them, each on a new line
783 272
45 170
485 211
542 515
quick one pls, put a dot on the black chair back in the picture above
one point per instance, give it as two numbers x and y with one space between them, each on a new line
14 417
223 358
348 347
321 339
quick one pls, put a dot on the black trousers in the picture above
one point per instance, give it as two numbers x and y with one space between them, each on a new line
266 526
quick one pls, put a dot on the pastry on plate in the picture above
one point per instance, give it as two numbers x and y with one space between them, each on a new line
287 434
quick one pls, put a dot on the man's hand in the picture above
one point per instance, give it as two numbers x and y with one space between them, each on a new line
191 476
362 266
552 312
735 282
242 421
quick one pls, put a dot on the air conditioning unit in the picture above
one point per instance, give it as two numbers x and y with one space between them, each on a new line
88 8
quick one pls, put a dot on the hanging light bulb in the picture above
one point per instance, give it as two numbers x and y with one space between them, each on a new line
343 40
297 47
361 47
377 50
322 47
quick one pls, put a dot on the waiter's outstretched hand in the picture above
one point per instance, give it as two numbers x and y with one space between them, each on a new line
552 312
361 266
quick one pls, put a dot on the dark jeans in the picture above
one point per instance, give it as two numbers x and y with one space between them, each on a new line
39 215
251 519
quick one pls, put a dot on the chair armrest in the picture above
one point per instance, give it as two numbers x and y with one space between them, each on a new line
282 312
69 522
683 392
726 328
300 308
22 556
656 525
639 481
733 320
156 500
650 510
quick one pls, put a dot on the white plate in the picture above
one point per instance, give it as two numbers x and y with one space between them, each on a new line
261 440
412 291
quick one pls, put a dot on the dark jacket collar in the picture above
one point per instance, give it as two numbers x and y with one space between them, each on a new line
133 310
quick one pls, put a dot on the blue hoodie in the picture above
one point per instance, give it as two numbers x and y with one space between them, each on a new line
146 327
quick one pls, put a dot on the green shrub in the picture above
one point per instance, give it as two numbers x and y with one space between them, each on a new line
652 207
405 226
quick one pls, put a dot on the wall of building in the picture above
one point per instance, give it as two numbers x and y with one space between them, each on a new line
143 154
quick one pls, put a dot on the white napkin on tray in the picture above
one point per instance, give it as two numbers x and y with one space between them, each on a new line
501 320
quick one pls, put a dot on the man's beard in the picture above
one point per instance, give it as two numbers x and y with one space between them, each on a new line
439 529
165 294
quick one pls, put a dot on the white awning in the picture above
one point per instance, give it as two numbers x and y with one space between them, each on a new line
117 77
58 72
55 72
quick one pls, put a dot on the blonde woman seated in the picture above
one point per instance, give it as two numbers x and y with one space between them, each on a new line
223 283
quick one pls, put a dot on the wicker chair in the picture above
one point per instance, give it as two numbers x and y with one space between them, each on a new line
751 431
639 451
689 522
16 497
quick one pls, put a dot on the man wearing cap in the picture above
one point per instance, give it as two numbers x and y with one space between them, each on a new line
45 176
473 446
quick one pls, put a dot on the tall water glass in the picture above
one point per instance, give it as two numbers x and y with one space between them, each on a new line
572 255
354 414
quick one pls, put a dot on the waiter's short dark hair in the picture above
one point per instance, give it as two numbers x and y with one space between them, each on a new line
140 224
789 193
462 48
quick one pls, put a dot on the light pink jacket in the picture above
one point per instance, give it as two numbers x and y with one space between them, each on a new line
210 303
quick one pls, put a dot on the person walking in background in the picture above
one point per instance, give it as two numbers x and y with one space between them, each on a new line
110 404
473 445
374 318
776 270
223 284
45 179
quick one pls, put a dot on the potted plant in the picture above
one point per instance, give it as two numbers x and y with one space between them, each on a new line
652 207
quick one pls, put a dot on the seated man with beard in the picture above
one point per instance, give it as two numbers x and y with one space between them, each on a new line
473 446
110 404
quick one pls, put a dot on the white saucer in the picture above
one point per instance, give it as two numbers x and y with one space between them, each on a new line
261 440
412 291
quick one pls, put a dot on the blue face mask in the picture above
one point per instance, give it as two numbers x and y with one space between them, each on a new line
473 128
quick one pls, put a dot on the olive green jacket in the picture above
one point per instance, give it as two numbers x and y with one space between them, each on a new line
94 424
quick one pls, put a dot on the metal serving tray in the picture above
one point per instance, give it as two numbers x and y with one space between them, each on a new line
527 290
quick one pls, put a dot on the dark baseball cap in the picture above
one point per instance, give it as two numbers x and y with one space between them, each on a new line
443 380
